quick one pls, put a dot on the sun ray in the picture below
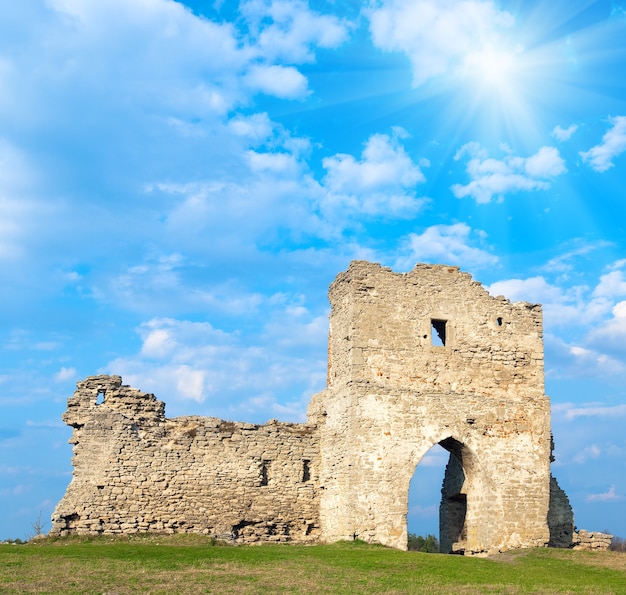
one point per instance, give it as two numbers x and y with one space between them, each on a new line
524 83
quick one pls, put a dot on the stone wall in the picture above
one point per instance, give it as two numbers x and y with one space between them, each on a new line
136 471
393 393
591 540
415 359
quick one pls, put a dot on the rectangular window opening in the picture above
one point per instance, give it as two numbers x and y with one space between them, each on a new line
438 332
264 472
100 397
306 470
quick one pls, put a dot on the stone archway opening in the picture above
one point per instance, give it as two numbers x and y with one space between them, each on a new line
425 494
438 495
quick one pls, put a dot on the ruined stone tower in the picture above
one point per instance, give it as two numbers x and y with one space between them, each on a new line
425 358
415 359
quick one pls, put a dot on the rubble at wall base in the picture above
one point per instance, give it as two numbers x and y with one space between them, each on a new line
591 540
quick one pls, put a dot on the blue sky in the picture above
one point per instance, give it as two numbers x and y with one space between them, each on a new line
180 182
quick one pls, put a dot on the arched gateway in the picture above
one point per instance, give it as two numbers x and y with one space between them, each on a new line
415 359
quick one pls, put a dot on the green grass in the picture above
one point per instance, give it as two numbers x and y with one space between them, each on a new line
194 564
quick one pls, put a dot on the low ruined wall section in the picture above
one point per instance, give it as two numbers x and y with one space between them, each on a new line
591 540
136 471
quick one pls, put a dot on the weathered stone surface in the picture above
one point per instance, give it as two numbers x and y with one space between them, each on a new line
393 392
591 540
136 471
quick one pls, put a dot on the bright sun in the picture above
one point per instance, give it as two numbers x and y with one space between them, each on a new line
496 82
491 67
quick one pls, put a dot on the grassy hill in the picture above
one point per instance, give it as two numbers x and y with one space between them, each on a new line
195 564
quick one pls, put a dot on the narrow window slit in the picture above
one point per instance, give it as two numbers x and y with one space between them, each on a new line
100 397
264 472
306 470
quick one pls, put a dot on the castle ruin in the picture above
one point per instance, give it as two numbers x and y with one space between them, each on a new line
414 359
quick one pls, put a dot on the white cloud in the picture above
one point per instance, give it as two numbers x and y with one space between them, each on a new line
381 183
564 134
609 496
570 360
611 285
600 157
65 374
618 264
17 490
160 283
437 35
449 244
256 127
596 410
274 192
533 289
158 343
278 163
589 452
610 336
12 213
17 209
271 374
287 29
147 42
561 262
281 330
546 163
190 383
491 177
123 55
281 81
384 163
15 173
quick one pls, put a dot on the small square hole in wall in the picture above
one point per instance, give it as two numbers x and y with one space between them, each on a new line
438 332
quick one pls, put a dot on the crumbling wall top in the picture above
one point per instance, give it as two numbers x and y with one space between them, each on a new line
433 328
361 273
97 394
